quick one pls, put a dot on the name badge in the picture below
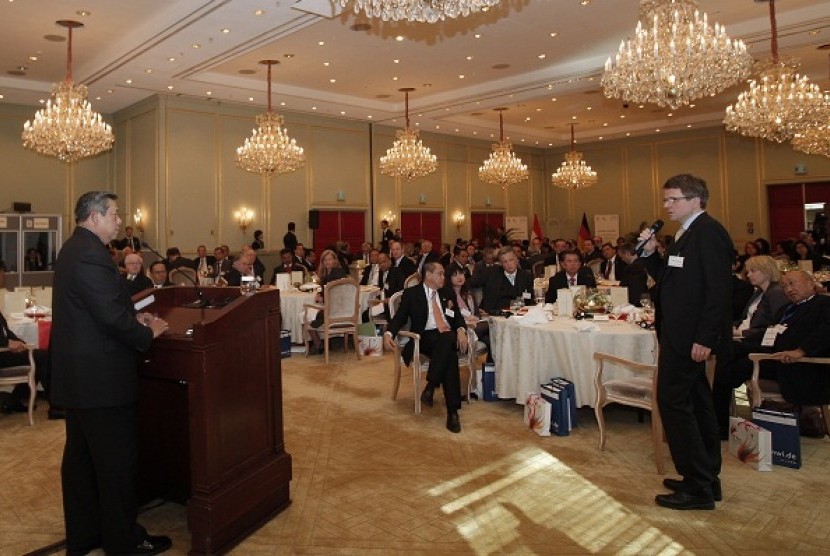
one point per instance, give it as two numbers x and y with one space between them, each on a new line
676 261
526 295
771 333
450 313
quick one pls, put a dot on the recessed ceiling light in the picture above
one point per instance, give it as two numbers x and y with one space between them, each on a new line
342 112
553 99
642 106
321 43
601 137
226 30
33 58
196 45
129 81
688 125
585 2
22 68
554 34
250 99
42 101
171 59
148 70
417 124
399 38
469 57
110 91
573 117
426 85
477 35
84 13
96 98
282 103
475 133
208 93
370 116
396 61
395 78
259 12
604 124
589 108
170 87
692 105
456 130
538 109
327 64
628 134
332 80
289 55
622 116
314 108
541 56
815 32
461 76
670 114
657 131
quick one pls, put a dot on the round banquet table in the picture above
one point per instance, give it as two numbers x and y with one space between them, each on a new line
24 327
291 305
527 355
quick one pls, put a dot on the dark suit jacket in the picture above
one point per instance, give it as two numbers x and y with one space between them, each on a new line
431 257
406 266
619 267
497 290
289 240
304 262
445 259
808 329
223 267
95 335
386 236
367 272
282 270
414 310
635 278
694 302
140 283
211 261
392 281
132 242
771 302
584 277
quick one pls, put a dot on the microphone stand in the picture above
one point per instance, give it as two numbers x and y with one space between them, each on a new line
200 302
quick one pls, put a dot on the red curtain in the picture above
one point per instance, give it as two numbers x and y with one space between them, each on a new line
418 225
484 224
340 225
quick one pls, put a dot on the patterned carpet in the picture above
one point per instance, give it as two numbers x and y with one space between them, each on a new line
371 477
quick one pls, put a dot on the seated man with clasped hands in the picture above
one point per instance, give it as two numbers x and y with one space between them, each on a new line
441 327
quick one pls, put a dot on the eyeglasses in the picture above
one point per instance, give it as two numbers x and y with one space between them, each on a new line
673 200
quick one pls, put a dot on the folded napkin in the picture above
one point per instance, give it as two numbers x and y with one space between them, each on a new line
586 326
534 315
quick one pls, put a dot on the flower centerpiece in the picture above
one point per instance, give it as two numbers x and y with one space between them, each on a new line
591 301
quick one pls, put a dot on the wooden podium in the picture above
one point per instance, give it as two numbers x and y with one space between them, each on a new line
210 413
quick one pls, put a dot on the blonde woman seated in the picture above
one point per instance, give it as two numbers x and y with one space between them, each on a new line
329 270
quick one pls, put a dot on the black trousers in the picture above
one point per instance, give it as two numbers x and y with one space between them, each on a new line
443 365
730 374
98 476
687 410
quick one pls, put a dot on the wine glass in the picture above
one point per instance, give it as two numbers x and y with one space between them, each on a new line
645 301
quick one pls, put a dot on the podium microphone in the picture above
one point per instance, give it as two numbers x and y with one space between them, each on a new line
656 227
200 302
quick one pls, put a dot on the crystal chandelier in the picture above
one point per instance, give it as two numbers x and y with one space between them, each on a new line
780 103
428 11
68 128
503 167
574 173
674 57
269 150
408 157
815 140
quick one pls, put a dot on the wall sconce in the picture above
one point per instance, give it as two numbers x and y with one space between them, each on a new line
390 217
459 218
139 219
244 218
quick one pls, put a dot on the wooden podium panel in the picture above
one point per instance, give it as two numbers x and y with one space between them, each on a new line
210 413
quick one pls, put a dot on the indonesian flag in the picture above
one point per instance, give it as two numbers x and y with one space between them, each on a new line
584 230
537 229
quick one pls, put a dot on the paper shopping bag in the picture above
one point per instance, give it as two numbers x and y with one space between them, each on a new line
750 443
537 414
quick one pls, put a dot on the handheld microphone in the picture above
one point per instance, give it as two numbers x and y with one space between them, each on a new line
656 227
200 302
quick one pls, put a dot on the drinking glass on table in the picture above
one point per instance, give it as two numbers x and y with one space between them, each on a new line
645 301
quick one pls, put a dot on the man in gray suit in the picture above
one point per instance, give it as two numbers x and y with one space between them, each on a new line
96 335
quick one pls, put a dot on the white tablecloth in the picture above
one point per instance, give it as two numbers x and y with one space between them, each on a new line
529 355
291 305
24 327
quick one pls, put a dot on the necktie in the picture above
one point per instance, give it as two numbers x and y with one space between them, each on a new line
440 323
678 233
572 280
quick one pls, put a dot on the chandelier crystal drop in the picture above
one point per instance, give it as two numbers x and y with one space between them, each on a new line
503 167
815 140
67 128
674 57
408 157
574 172
269 150
780 102
424 11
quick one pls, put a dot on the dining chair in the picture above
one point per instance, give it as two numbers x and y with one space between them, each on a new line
635 391
22 374
420 362
182 276
341 315
760 389
412 280
381 320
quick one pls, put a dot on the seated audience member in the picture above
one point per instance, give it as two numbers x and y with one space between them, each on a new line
258 242
242 266
457 289
572 274
17 354
460 259
400 260
256 265
612 267
750 250
804 252
445 255
286 266
634 274
589 252
767 299
203 263
174 259
741 290
158 274
330 269
517 250
441 328
371 271
502 284
135 280
301 258
390 280
426 255
33 261
221 264
799 329
366 253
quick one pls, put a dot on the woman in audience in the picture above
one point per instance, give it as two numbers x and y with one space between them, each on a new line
330 269
764 247
762 272
458 291
750 250
804 253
